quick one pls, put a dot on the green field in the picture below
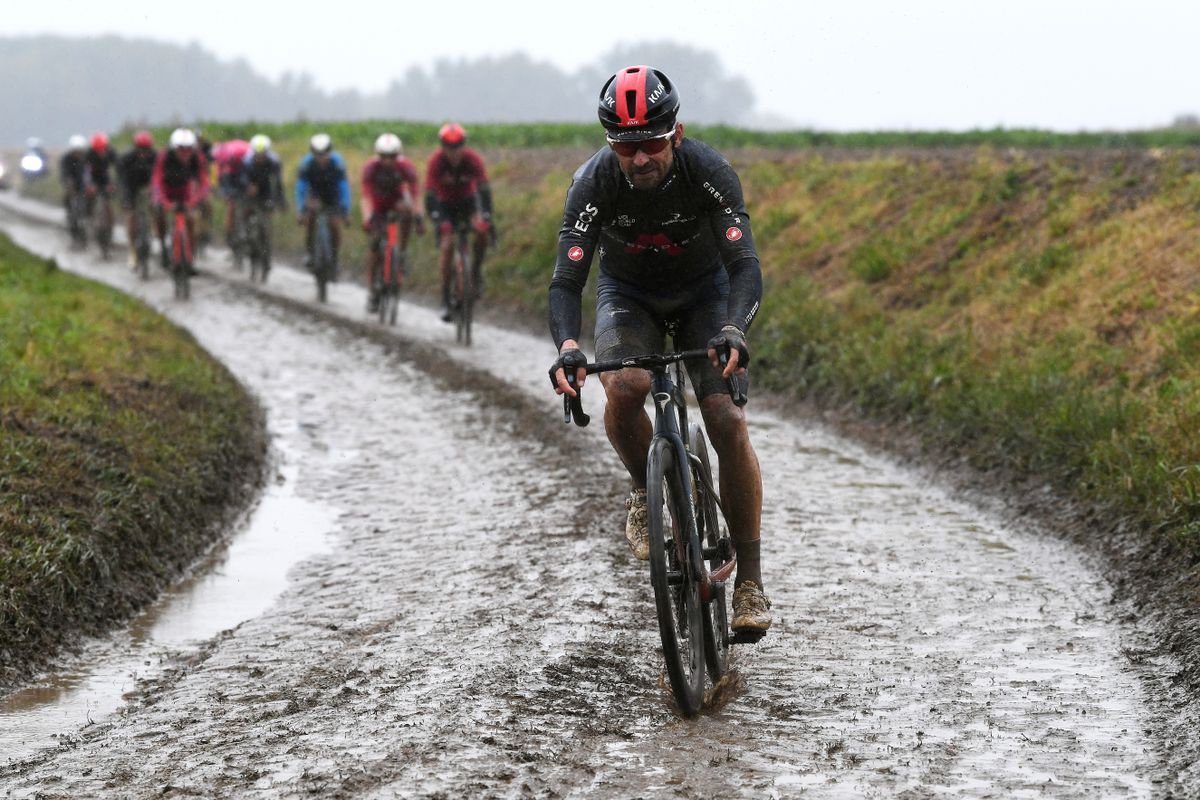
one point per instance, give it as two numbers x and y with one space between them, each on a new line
1025 298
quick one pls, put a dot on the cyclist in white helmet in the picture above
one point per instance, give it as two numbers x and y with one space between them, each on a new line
180 176
322 181
389 181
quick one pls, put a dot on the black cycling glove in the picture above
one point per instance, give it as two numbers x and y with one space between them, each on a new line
731 337
568 361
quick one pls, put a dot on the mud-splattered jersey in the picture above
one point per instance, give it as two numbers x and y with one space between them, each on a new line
685 231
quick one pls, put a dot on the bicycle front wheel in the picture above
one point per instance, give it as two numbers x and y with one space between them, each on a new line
717 549
676 590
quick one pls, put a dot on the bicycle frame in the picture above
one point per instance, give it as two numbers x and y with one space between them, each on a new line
670 420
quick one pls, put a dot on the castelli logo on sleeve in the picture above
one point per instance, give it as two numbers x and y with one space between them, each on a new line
575 253
733 234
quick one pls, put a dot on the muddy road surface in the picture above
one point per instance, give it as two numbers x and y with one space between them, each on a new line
472 625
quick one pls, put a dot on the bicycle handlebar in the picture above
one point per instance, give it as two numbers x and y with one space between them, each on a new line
573 406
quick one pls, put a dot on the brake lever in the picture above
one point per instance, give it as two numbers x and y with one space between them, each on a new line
573 406
737 391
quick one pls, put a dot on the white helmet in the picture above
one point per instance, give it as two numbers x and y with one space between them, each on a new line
77 142
388 144
260 143
182 137
320 143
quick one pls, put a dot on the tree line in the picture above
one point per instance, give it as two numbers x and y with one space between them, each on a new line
66 85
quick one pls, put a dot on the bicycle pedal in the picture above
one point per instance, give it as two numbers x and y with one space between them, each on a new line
746 637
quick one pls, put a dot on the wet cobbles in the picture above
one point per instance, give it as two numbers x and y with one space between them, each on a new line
477 628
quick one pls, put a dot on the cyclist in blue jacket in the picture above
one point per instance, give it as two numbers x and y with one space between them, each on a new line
321 182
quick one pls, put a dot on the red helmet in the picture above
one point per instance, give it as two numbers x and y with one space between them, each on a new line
99 142
143 139
638 103
452 134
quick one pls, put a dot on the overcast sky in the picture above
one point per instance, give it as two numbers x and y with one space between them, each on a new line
834 65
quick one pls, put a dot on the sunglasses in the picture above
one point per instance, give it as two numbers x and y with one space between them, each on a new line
650 147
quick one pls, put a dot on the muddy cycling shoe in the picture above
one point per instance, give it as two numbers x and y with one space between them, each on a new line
447 313
372 302
637 529
751 609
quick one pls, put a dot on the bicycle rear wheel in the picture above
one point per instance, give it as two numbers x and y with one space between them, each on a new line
676 591
717 548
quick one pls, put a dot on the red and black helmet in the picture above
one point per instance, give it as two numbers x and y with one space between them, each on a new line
99 141
143 139
452 134
638 103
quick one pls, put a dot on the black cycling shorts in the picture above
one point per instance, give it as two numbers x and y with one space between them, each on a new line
631 321
457 213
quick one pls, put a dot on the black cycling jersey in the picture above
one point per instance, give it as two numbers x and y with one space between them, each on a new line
99 167
662 241
264 173
135 169
72 171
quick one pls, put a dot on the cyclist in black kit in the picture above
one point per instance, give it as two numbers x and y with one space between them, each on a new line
667 217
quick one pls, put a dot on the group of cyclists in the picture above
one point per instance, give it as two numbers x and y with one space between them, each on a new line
457 193
664 214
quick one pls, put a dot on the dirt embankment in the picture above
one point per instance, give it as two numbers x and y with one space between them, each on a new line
125 452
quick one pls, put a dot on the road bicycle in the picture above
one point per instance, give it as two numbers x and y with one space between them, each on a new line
463 286
77 218
181 258
239 238
258 239
324 257
102 224
691 553
141 234
392 268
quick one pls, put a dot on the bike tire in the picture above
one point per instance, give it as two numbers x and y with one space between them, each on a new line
104 225
464 296
717 544
324 258
676 591
181 267
77 223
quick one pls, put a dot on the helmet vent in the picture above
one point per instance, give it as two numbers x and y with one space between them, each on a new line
631 104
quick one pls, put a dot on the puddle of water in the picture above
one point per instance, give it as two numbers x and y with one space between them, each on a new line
238 583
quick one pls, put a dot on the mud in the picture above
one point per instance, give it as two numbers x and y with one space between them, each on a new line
477 628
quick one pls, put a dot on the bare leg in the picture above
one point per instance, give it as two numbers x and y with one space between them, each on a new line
628 426
741 480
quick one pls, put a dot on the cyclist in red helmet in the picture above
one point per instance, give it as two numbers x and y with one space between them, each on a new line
135 169
666 216
457 193
389 181
99 162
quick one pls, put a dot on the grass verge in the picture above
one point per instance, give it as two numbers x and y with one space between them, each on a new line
123 447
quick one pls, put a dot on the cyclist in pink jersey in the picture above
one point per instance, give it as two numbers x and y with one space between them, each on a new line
230 159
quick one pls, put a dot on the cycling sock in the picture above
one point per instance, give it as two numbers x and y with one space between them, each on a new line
748 563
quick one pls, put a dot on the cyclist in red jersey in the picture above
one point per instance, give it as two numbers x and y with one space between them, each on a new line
180 176
389 181
457 192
